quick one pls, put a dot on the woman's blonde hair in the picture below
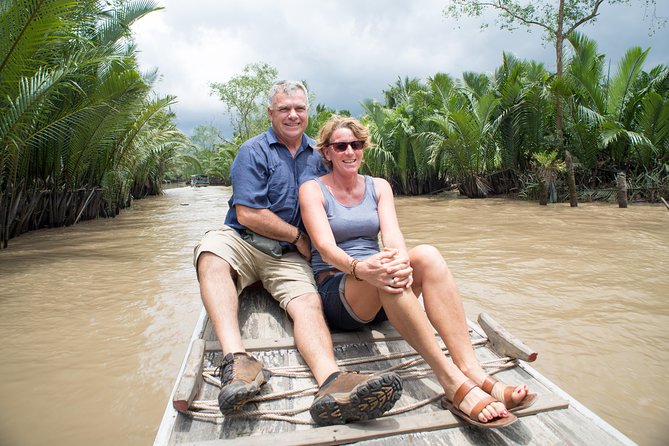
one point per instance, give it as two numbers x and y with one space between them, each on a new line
336 122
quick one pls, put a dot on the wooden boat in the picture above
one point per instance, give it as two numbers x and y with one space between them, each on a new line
199 180
417 418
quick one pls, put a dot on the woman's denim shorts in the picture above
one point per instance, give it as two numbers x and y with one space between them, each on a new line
338 314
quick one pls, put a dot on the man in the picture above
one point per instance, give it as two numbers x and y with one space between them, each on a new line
266 175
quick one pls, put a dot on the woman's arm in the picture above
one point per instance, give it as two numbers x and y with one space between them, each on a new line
392 236
373 269
391 233
312 208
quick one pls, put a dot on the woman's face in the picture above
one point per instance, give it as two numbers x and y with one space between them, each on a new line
344 150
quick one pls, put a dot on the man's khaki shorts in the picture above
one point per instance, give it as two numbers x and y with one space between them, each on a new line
285 278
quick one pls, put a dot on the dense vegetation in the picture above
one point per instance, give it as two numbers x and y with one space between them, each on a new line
81 132
496 134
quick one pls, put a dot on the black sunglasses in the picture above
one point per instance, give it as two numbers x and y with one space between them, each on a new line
343 146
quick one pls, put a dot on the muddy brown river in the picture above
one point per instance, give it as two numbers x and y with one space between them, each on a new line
95 318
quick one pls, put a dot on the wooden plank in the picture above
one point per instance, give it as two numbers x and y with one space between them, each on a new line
289 342
503 342
350 337
379 428
191 378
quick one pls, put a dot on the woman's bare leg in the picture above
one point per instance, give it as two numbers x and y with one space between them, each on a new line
444 308
407 316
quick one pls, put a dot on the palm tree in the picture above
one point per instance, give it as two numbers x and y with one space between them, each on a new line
549 167
461 143
379 159
400 154
615 120
76 116
526 111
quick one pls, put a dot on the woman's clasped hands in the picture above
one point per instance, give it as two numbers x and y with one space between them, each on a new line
388 270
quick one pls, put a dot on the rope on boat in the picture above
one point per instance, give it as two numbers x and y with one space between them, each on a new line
208 410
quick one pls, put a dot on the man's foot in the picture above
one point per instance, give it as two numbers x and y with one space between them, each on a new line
514 398
351 396
241 377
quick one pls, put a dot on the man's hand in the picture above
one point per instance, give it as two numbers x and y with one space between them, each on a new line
303 246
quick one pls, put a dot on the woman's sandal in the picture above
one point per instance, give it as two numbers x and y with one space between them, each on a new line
473 417
508 402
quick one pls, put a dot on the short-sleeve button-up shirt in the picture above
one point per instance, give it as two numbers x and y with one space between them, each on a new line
266 176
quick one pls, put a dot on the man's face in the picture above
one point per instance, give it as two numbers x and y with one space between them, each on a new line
289 116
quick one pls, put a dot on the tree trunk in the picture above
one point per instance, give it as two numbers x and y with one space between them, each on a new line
571 181
543 191
559 114
622 189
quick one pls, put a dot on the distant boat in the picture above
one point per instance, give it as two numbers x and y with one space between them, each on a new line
199 180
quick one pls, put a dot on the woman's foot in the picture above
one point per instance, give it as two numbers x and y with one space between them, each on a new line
513 398
476 407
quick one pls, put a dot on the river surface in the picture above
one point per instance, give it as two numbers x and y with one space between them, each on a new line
95 318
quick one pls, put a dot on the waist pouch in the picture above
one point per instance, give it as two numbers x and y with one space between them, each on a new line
269 246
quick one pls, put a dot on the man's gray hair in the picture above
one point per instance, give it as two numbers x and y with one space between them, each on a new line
286 87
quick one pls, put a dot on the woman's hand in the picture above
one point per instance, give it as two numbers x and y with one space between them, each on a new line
386 271
399 268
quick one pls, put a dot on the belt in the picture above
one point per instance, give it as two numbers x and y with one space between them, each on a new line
320 277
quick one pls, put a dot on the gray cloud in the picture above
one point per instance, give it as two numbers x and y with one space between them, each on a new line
346 50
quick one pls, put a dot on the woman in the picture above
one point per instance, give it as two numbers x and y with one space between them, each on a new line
343 213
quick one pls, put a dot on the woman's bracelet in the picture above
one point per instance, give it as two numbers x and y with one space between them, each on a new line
297 238
354 263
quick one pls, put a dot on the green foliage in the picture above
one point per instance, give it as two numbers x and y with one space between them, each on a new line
400 153
548 161
245 97
525 112
207 137
463 142
652 121
558 20
619 120
470 130
75 113
318 118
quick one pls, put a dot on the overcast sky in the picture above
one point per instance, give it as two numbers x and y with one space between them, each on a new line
346 50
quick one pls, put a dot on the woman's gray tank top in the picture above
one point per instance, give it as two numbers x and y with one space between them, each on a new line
355 228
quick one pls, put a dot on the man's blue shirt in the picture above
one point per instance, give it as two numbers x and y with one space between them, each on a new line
265 175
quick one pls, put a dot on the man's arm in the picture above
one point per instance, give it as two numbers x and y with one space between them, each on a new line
267 223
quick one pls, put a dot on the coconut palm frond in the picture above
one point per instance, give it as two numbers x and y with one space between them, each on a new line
612 134
74 110
115 23
621 87
27 27
653 120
